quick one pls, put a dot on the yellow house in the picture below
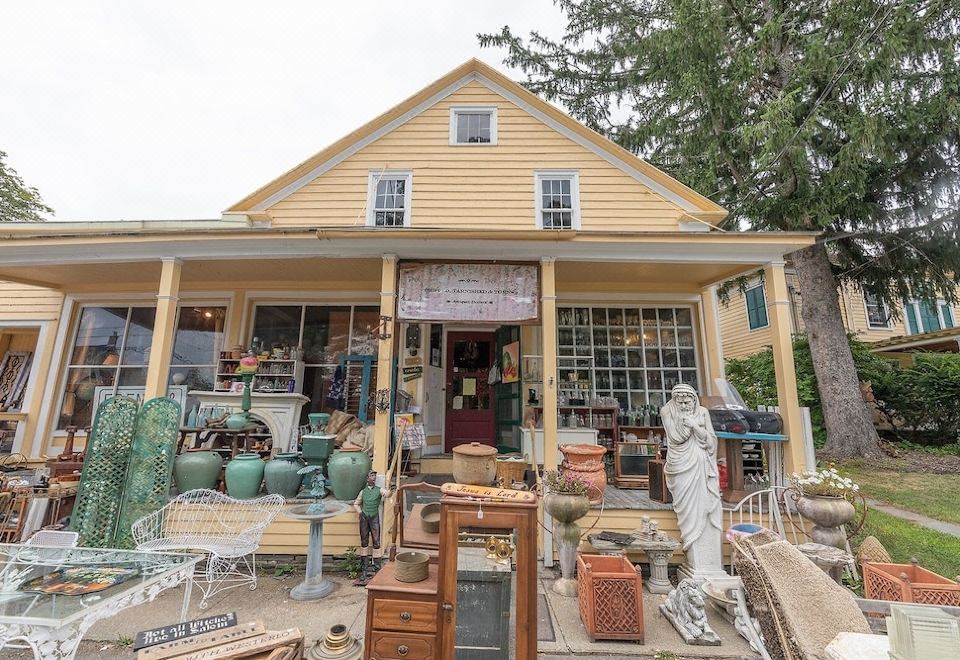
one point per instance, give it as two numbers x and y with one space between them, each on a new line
745 325
429 241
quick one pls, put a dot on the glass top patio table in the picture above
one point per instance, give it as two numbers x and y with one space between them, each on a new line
19 564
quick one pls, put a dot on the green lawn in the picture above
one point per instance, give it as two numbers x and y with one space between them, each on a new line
935 551
933 495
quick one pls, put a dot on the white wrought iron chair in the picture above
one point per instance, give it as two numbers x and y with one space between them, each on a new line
53 538
228 530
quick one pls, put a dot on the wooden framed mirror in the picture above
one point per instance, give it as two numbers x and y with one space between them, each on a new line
412 501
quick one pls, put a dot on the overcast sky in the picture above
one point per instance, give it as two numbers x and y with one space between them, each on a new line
117 109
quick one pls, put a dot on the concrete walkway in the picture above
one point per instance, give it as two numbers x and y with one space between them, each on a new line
561 633
919 519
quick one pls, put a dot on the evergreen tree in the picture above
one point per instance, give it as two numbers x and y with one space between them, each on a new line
18 203
837 116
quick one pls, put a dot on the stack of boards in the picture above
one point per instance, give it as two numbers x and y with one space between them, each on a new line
247 640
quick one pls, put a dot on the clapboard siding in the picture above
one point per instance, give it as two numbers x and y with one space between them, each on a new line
477 186
21 302
735 334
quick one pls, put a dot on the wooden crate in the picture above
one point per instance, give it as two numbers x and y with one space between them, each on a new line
908 583
610 594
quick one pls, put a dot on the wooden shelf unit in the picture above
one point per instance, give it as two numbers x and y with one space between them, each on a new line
272 375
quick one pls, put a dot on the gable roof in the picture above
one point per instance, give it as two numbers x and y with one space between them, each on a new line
691 202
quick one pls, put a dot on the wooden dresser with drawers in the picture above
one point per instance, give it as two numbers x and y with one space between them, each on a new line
402 618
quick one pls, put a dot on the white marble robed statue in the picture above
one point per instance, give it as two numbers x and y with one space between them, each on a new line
691 472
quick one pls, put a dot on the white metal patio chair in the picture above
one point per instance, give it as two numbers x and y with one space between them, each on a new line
54 538
227 530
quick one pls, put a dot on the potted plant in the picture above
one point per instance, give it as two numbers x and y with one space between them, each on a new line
566 501
825 498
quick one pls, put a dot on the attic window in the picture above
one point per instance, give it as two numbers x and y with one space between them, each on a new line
558 200
473 125
388 199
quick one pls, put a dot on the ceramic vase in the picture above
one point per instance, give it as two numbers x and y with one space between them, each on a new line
243 476
474 464
280 475
566 509
348 469
197 468
586 463
828 515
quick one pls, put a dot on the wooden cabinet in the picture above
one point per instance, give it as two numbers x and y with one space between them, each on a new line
271 376
402 617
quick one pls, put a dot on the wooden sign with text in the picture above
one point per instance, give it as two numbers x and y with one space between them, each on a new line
179 647
488 493
186 629
249 646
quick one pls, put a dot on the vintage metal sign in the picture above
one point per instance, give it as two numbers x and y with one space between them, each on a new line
495 293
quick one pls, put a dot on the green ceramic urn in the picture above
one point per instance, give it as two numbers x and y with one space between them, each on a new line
280 475
197 468
348 471
243 476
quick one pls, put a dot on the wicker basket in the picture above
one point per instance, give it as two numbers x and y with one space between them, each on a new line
908 583
412 566
610 595
509 471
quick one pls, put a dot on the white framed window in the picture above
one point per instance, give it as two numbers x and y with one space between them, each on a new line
388 198
473 125
558 199
923 317
878 316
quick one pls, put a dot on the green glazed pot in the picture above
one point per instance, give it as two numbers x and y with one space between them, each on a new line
348 473
197 469
243 475
280 475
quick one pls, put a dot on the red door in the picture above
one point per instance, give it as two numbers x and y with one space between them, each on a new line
470 414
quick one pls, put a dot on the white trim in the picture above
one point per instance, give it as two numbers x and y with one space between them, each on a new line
647 181
373 178
43 328
56 375
473 109
573 176
866 313
766 309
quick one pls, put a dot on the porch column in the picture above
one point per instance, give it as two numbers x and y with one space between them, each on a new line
778 311
548 311
163 329
382 425
712 340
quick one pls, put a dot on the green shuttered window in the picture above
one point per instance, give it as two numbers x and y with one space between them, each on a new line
756 308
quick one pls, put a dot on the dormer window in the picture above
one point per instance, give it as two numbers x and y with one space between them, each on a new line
388 199
475 125
558 200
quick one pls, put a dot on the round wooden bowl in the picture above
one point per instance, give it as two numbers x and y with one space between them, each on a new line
430 518
412 566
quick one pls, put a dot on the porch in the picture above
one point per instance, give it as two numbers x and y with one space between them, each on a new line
654 291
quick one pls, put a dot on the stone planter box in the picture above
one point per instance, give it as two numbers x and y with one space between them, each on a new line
908 583
610 594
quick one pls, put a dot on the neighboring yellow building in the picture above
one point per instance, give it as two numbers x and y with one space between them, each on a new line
474 176
745 328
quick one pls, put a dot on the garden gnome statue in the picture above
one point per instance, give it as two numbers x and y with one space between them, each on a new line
691 472
367 506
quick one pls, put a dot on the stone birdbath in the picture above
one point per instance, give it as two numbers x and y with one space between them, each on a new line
314 585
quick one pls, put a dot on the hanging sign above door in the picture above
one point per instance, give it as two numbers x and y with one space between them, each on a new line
489 293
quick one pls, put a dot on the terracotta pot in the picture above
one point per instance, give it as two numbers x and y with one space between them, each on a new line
474 464
828 515
348 470
592 472
582 453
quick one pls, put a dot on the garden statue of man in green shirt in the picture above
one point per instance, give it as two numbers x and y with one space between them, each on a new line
367 506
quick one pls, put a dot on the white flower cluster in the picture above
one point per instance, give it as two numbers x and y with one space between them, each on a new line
826 481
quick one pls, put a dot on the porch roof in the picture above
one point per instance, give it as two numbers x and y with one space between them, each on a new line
68 255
